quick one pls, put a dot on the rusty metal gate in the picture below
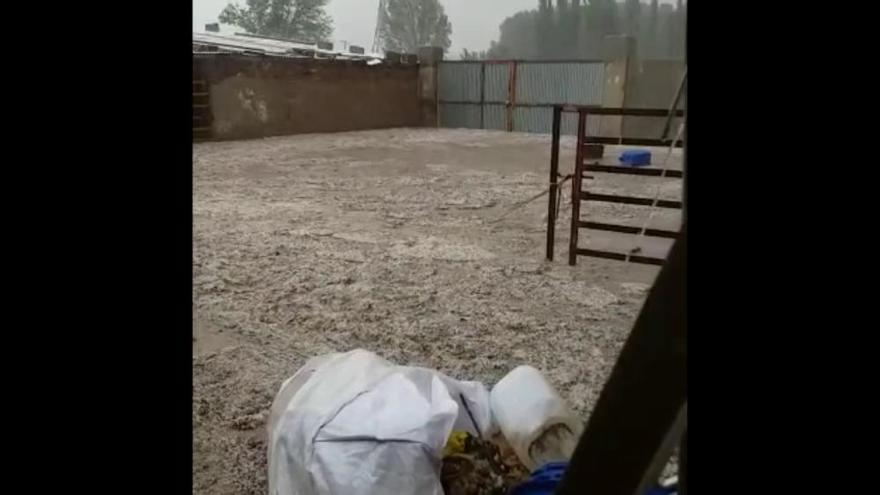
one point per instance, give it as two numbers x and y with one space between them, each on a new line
517 95
578 195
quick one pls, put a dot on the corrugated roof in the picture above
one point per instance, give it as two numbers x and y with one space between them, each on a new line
268 46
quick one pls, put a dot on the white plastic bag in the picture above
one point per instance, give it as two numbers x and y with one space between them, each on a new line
355 424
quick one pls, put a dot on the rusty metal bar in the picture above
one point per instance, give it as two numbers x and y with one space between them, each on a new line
628 229
465 102
639 112
576 182
631 141
629 200
626 112
554 185
525 61
642 401
611 255
511 94
652 172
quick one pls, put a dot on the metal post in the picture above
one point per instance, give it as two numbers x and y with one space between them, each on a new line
684 165
554 185
682 449
482 95
511 94
576 188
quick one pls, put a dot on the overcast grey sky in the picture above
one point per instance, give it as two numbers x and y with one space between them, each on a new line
474 22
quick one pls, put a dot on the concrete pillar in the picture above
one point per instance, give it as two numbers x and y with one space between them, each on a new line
652 84
429 87
619 54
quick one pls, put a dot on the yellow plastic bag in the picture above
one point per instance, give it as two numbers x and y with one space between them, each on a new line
457 443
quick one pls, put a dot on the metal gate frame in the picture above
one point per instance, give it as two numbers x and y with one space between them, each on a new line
578 194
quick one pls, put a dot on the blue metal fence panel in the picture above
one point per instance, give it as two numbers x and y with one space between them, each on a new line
497 82
576 83
537 83
460 81
540 120
532 119
495 117
454 115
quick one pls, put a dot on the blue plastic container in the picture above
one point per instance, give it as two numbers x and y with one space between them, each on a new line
635 158
659 490
545 480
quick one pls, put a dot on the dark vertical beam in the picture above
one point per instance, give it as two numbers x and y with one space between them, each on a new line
684 192
482 95
682 450
554 177
511 94
645 398
683 464
576 181
684 165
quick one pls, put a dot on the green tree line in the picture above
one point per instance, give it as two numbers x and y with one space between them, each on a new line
576 29
403 25
302 20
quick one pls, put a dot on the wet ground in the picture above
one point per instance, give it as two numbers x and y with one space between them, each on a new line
402 242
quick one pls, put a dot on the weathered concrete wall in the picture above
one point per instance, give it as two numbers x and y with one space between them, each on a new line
429 91
254 97
633 83
619 54
651 84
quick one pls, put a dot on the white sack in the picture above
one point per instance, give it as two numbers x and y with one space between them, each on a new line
355 424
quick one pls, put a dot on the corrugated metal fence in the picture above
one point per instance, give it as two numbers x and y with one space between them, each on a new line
517 96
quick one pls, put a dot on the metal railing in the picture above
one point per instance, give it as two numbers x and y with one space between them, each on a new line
579 195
